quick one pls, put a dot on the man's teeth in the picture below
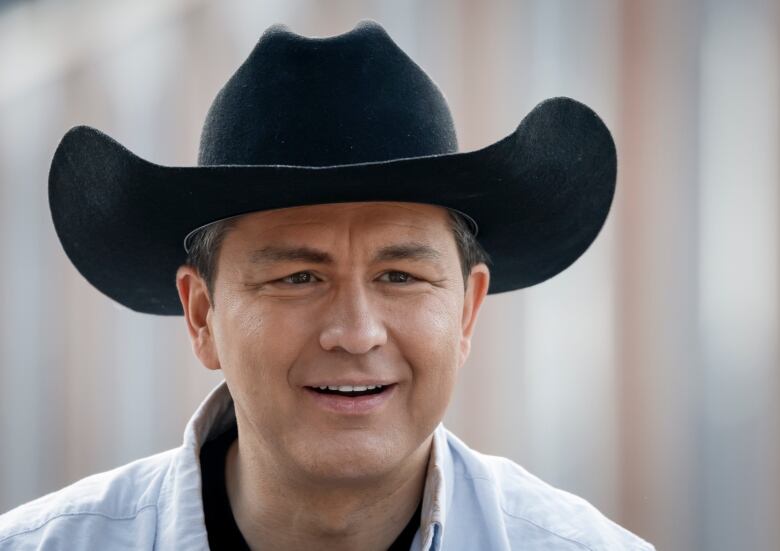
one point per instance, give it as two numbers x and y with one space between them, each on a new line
349 388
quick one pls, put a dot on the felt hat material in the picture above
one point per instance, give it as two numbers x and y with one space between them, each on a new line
327 120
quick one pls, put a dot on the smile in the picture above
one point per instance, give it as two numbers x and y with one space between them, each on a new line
350 390
350 399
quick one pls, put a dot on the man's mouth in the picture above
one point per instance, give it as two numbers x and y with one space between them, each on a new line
350 390
364 399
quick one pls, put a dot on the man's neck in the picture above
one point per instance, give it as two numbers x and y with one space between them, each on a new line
273 512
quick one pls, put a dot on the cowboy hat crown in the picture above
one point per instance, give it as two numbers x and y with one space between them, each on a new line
352 98
310 121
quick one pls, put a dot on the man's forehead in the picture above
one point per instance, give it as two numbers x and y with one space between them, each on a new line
411 231
419 216
409 250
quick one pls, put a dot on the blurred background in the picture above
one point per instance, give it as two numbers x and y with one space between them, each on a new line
645 378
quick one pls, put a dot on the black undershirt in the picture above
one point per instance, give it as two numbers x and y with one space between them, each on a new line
221 526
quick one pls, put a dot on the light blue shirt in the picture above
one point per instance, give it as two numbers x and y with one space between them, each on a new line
471 502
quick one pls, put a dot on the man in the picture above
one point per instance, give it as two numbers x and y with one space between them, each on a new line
329 254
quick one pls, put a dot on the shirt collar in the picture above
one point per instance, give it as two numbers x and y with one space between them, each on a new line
216 413
437 495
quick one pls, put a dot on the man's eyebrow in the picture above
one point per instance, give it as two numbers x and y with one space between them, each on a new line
402 251
278 253
407 251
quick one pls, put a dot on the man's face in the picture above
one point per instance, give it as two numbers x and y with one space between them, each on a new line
358 294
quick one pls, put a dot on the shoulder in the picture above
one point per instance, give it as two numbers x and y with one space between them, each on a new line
532 510
96 507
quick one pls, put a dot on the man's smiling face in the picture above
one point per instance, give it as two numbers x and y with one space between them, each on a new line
350 294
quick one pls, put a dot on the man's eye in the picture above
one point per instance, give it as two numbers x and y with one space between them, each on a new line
399 277
298 278
302 278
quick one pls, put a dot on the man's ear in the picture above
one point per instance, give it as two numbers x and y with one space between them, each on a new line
196 304
476 290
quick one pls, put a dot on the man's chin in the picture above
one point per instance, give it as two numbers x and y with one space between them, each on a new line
351 458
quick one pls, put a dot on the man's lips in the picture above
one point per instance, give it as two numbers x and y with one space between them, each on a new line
361 404
350 382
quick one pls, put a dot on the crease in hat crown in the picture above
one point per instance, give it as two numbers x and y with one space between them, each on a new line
346 99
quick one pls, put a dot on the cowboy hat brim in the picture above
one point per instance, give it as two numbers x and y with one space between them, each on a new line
539 196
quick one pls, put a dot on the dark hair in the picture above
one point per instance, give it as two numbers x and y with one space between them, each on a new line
205 244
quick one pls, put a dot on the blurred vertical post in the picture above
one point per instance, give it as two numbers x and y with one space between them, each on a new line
740 275
657 193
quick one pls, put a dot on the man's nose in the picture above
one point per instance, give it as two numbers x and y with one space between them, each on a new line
352 322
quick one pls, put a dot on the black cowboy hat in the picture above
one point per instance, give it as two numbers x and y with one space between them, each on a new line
329 120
